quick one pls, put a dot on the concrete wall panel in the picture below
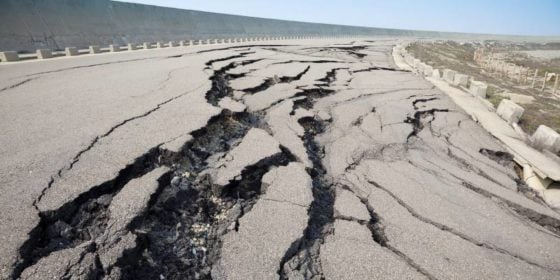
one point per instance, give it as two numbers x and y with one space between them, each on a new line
26 25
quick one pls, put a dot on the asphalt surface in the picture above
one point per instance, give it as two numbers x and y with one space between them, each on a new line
286 160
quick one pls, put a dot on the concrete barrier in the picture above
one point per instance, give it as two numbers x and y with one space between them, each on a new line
428 70
183 43
94 49
171 44
9 56
420 66
160 45
44 53
132 47
478 89
114 48
82 23
545 138
436 74
147 45
409 59
510 111
416 63
461 80
71 51
449 75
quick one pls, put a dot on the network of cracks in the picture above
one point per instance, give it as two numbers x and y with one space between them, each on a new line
179 233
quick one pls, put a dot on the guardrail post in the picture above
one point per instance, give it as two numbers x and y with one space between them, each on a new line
94 49
114 48
71 51
44 53
9 56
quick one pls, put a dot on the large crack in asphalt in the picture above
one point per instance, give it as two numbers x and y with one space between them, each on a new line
351 50
302 258
420 119
377 68
85 218
17 84
220 78
268 82
321 61
240 46
180 236
82 219
377 229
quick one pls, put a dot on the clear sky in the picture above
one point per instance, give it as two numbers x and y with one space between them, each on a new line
518 17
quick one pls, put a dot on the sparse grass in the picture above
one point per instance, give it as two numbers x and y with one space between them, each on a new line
493 96
542 111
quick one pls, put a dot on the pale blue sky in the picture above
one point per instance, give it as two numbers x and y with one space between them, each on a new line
519 17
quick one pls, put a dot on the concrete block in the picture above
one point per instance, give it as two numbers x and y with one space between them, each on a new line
94 49
545 138
478 89
71 51
510 111
171 44
428 70
449 75
114 48
416 63
44 54
160 45
436 74
461 80
191 42
147 45
409 59
199 42
9 56
422 67
132 47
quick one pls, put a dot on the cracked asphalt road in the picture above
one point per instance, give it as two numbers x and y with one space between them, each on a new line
303 160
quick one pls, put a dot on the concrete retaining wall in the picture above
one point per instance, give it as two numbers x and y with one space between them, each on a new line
27 25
